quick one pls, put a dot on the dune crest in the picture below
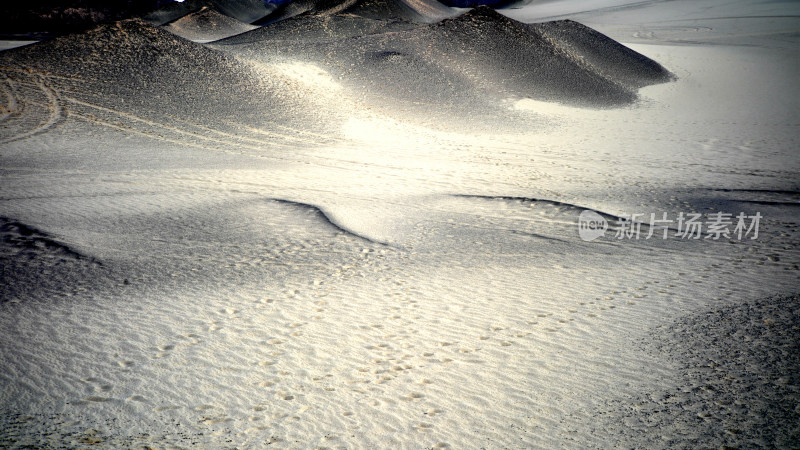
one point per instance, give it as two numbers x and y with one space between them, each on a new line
466 65
33 261
206 25
246 11
418 11
133 76
605 55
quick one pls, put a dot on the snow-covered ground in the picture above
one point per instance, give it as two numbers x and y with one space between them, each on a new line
363 280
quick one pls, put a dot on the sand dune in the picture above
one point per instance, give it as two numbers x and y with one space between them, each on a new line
603 54
134 76
421 11
466 65
351 232
246 11
174 11
743 361
27 239
321 216
207 25
425 11
532 61
310 29
33 261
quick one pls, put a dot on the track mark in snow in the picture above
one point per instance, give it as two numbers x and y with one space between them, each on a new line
327 218
55 113
27 238
157 125
11 107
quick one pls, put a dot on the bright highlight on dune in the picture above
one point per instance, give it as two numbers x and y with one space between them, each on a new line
309 75
398 224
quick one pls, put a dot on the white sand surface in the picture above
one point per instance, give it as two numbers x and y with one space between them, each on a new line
312 269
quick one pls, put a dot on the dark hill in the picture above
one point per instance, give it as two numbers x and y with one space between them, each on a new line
206 25
419 11
131 75
246 11
471 61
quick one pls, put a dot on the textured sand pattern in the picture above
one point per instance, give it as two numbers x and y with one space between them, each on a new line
244 245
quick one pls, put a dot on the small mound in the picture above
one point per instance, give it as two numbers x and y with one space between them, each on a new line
563 60
605 55
324 218
418 11
422 11
135 64
246 11
173 11
502 54
739 383
33 262
207 25
460 70
26 241
467 61
133 75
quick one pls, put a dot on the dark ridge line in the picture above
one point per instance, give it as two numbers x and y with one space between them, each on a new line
726 18
330 221
532 200
522 4
760 191
605 215
232 40
30 234
519 232
540 236
171 12
170 22
770 202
